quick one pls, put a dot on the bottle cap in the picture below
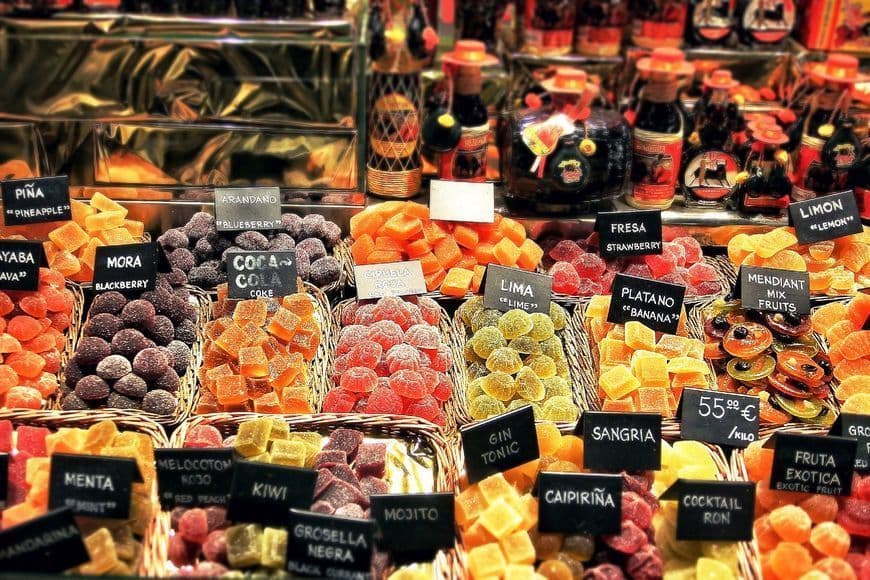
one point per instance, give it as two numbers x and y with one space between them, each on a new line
469 53
839 68
666 60
720 79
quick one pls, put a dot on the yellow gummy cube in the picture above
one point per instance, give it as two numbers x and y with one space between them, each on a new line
70 237
500 519
101 549
684 365
80 210
671 345
518 548
651 371
496 487
274 547
34 466
253 437
100 435
520 572
486 560
469 504
135 227
280 430
116 236
774 241
638 336
613 352
88 253
695 348
103 203
65 440
105 220
598 307
292 453
618 382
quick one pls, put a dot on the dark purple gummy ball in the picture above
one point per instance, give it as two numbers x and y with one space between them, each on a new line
161 299
313 247
162 331
128 342
282 243
292 225
207 275
182 258
324 271
119 401
138 313
72 373
331 234
312 225
72 402
113 367
103 325
186 332
150 364
176 277
252 241
303 263
159 402
173 239
181 353
91 350
92 388
131 386
111 302
199 226
168 381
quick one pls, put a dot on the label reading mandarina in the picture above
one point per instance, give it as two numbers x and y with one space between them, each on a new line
656 165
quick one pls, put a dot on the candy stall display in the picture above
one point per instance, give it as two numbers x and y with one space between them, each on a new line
841 330
264 355
513 359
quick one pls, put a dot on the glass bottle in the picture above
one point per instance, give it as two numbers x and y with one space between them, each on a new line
658 130
710 167
658 23
467 161
549 26
766 21
710 22
826 126
599 26
765 183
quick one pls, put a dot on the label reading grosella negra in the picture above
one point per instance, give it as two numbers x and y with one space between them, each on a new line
322 546
825 218
413 527
92 486
629 233
579 503
19 264
500 443
48 544
621 441
812 463
193 477
265 494
719 418
774 290
509 288
393 279
247 208
658 305
37 200
126 268
261 274
713 510
855 427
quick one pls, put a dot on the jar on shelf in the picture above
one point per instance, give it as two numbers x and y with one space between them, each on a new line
710 166
765 182
766 21
549 26
658 128
710 22
658 23
600 24
467 160
829 148
566 155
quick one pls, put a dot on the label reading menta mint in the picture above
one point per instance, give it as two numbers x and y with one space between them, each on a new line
91 486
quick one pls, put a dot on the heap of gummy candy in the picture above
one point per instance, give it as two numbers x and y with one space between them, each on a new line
257 354
804 535
114 546
34 333
133 353
390 358
840 266
640 369
686 558
578 270
201 251
516 359
71 249
844 328
453 255
349 470
771 355
498 518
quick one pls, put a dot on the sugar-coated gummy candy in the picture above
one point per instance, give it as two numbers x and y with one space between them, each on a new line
159 402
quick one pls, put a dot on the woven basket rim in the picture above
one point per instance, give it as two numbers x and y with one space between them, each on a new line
317 365
73 336
578 368
187 381
451 407
445 476
155 542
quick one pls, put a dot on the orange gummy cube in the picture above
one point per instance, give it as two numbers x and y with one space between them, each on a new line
506 252
80 210
513 230
295 400
483 253
465 236
384 257
361 248
253 311
418 248
283 324
429 263
231 389
69 237
402 226
389 244
267 403
65 263
434 232
433 280
253 362
306 340
447 251
654 400
365 222
457 282
116 236
530 255
467 262
105 220
103 203
231 340
468 506
284 368
625 405
486 561
135 227
418 210
89 252
477 279
299 304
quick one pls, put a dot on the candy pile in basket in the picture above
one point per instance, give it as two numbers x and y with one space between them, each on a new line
804 535
453 255
115 546
258 354
640 369
38 328
71 248
351 464
515 359
498 521
841 328
578 270
774 356
835 267
392 358
201 251
135 353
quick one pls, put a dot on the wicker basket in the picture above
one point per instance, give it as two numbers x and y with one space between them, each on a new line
155 541
824 347
73 334
445 476
455 374
579 369
318 364
588 352
187 382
